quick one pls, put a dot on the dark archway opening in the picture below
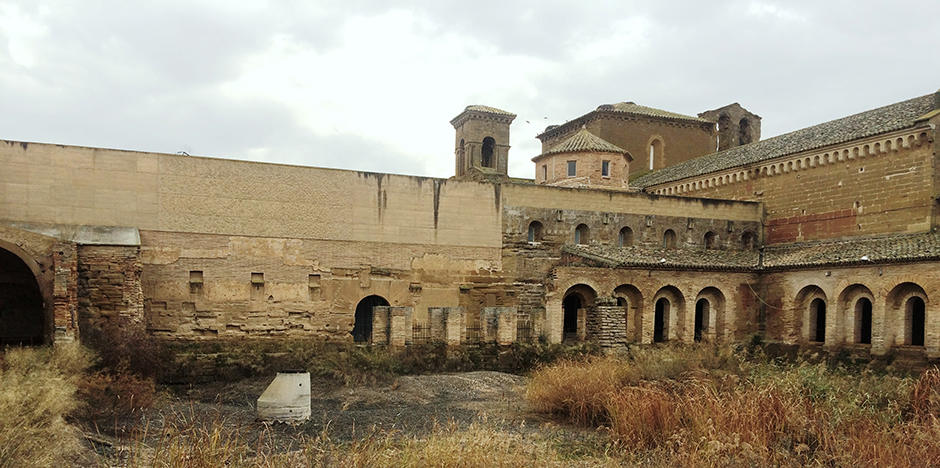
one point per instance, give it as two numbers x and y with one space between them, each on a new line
818 320
863 314
362 330
701 319
571 304
660 319
918 314
487 152
22 311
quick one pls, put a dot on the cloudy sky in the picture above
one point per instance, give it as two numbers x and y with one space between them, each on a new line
371 84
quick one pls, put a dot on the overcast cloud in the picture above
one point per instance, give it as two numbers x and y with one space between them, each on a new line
371 84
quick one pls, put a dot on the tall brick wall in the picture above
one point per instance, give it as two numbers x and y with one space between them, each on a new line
867 187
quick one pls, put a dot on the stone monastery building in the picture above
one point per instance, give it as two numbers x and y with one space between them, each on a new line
640 225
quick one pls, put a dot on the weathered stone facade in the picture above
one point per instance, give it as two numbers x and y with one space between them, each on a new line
823 237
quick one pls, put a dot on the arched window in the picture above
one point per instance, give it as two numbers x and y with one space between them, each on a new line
915 319
669 239
461 157
656 154
535 232
863 321
701 319
817 320
625 239
747 240
486 155
744 131
22 311
661 321
582 234
711 241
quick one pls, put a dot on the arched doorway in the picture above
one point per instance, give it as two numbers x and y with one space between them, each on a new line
22 312
916 320
701 319
571 305
661 321
817 320
362 330
863 321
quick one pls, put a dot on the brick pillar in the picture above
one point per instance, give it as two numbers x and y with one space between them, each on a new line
455 325
611 328
582 324
400 331
380 325
65 293
506 328
437 324
537 315
879 331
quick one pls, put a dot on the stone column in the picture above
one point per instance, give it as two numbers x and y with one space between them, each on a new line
437 324
611 326
380 325
455 325
400 326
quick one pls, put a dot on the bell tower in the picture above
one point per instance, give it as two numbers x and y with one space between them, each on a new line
482 144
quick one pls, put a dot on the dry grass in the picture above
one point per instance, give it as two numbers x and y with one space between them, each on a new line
706 407
37 390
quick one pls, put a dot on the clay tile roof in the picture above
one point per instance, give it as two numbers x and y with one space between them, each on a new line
853 252
644 257
869 123
636 109
893 249
488 110
584 142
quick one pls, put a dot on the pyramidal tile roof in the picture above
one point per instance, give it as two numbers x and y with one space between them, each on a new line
636 109
488 110
584 142
865 124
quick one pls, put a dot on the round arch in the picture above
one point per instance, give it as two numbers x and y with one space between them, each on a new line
668 315
578 300
362 329
25 317
709 314
855 314
905 316
810 305
630 298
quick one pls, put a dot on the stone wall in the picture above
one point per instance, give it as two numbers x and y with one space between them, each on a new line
109 287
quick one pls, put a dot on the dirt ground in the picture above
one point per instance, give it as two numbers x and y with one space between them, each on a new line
411 405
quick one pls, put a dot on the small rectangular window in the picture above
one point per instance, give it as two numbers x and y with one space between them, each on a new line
195 283
605 168
572 168
257 286
544 172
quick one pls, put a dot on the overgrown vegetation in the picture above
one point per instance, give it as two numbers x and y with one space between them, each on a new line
37 391
351 364
712 406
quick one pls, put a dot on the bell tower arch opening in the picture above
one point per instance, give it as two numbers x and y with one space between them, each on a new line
482 141
22 309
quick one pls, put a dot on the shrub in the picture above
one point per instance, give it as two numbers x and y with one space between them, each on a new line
37 389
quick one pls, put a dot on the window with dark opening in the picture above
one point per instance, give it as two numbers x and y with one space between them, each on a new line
625 239
701 319
710 241
661 321
669 239
744 132
605 168
817 321
486 154
747 241
572 168
535 231
916 318
571 304
863 321
582 234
